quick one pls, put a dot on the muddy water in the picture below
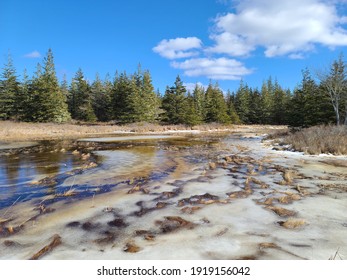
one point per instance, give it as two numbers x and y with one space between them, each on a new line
191 197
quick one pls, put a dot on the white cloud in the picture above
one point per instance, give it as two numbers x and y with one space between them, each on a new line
178 48
34 54
286 27
218 68
191 86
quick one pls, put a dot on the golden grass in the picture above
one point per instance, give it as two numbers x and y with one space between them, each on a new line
319 139
293 223
21 131
282 212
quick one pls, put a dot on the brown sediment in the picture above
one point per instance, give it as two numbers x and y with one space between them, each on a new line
118 222
55 243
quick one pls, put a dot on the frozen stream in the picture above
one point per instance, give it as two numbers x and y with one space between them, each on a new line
188 197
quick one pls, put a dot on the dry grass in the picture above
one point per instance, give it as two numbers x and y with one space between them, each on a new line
319 139
293 223
20 131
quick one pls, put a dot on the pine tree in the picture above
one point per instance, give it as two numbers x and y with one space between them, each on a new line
173 103
9 91
149 106
80 103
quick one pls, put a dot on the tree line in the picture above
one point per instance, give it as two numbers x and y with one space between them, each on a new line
132 98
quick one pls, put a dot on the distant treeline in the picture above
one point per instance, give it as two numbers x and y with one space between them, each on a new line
132 98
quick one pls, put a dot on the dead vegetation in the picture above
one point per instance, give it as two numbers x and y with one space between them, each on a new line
48 248
319 139
292 223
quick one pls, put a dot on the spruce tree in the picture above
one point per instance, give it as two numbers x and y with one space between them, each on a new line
280 105
80 103
199 101
192 116
215 105
255 109
173 103
242 101
231 111
266 102
149 100
122 98
48 102
9 91
101 99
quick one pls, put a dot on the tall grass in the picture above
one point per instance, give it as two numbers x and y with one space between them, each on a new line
327 139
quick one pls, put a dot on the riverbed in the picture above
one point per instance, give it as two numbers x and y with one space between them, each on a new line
211 196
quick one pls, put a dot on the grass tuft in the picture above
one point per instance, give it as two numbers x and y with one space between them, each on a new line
323 139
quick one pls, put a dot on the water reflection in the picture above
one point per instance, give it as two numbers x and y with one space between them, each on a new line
50 173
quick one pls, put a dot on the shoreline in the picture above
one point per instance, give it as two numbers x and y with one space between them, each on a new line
19 131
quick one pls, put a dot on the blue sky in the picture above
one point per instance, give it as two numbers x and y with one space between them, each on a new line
201 40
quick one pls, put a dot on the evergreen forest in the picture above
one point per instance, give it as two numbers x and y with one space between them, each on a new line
129 98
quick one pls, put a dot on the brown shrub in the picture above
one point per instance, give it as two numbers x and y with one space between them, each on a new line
319 139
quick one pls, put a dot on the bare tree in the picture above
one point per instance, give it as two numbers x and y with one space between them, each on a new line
334 81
